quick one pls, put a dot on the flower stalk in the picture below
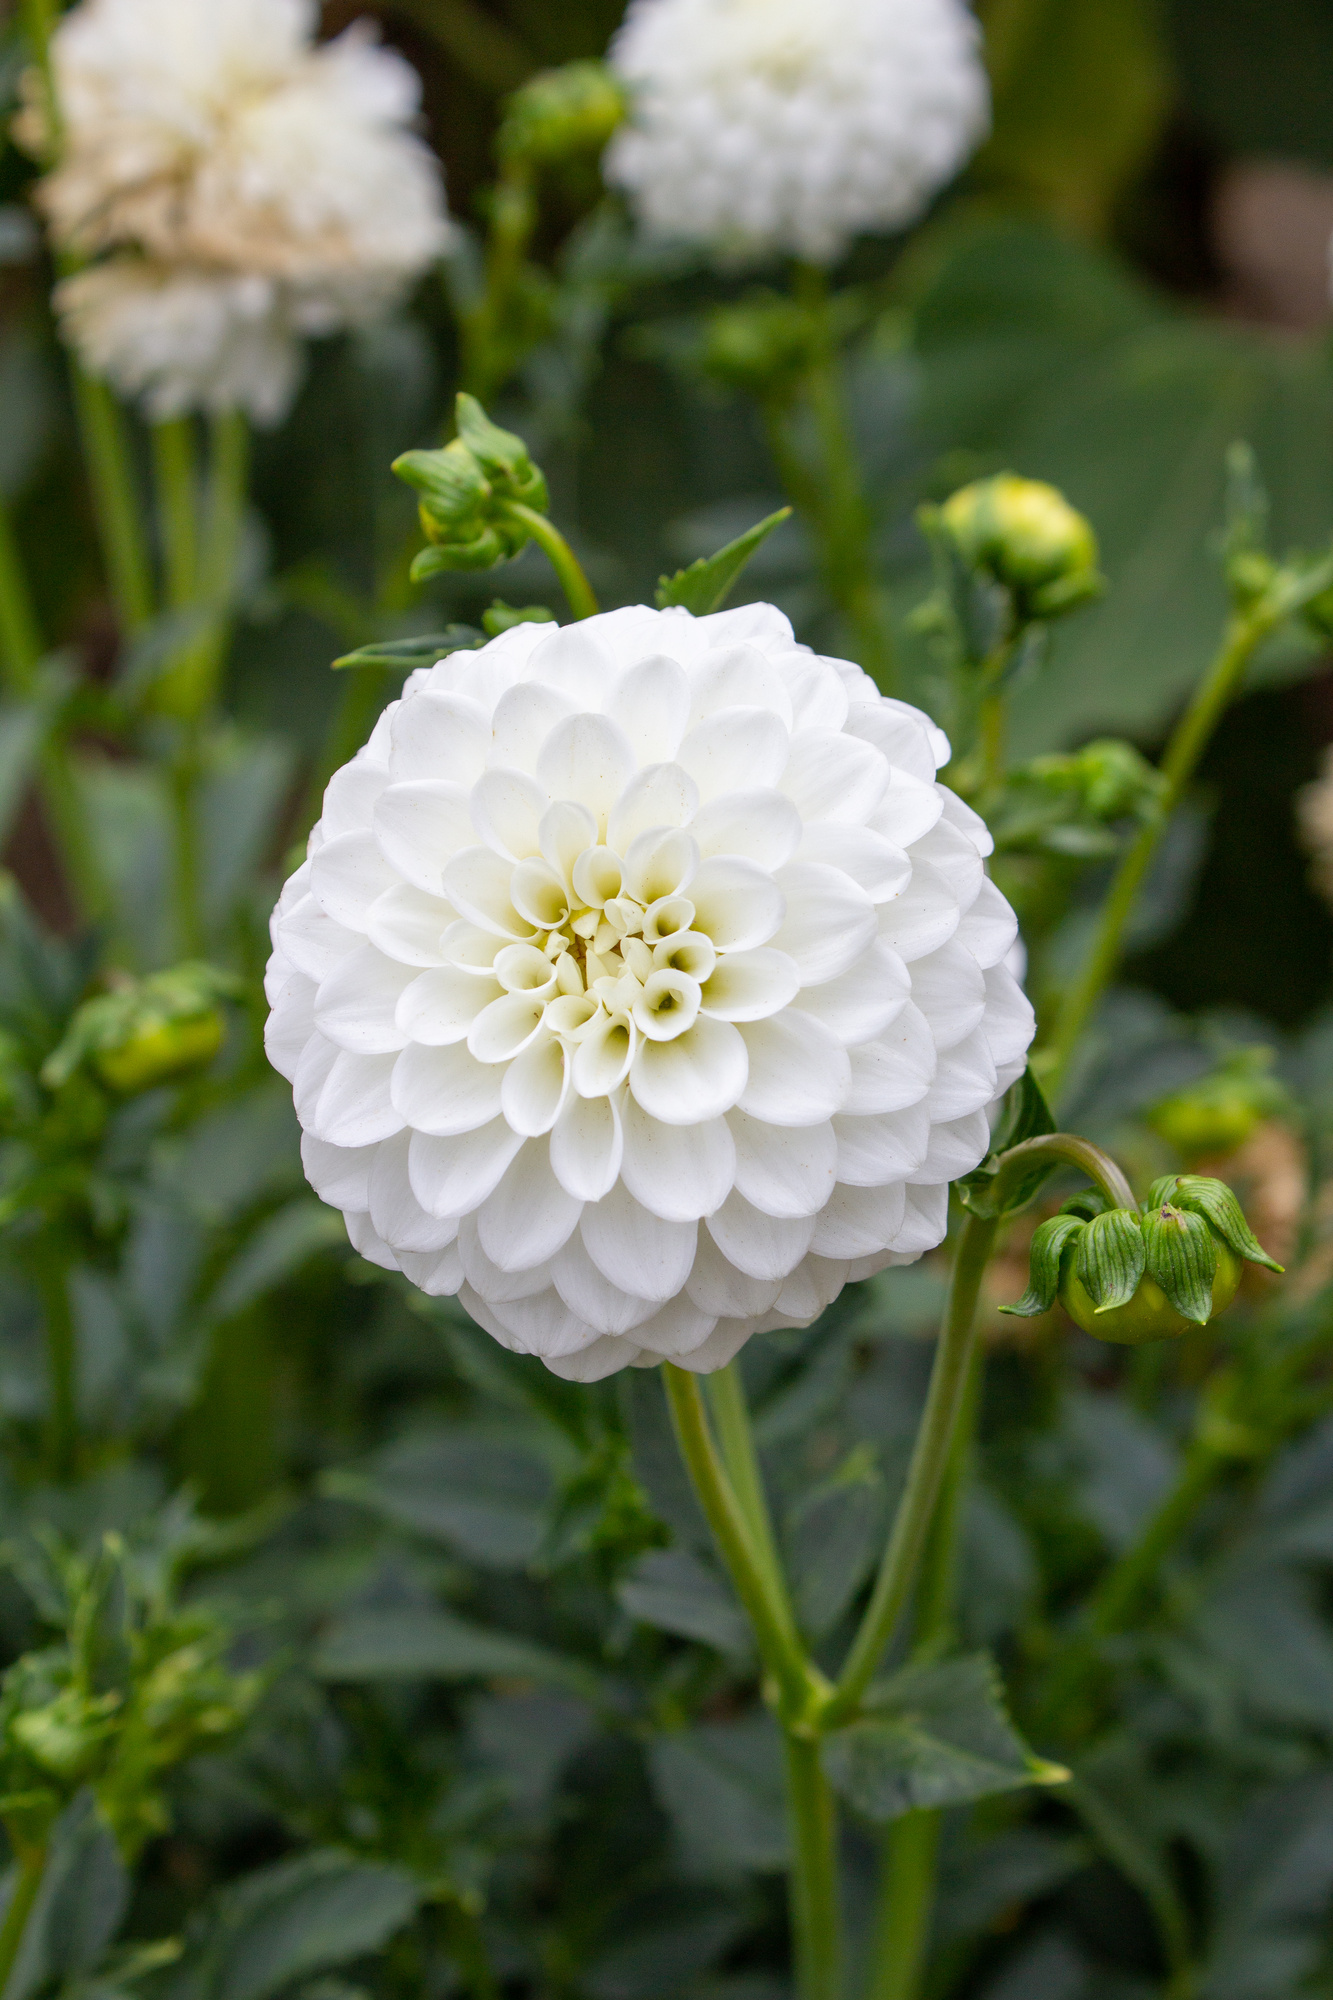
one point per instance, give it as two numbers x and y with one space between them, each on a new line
31 1874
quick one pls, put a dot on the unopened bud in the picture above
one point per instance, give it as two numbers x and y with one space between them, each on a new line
147 1032
1026 535
1129 1276
758 344
1220 1111
561 113
468 490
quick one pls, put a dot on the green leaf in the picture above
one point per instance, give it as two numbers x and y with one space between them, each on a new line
423 650
1026 1115
703 587
278 1248
674 1591
1110 1258
935 1736
417 1644
300 1917
1049 1243
722 1785
1182 1258
489 1501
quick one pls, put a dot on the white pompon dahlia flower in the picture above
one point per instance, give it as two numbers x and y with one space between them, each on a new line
643 986
245 186
787 125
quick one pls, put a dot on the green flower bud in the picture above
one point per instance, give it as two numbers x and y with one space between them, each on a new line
1129 1276
1026 535
67 1736
757 345
469 491
147 1032
561 113
1220 1111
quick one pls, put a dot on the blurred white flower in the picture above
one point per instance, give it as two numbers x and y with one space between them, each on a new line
643 986
1314 816
252 185
785 125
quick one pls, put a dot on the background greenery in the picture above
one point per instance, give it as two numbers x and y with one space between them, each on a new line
496 1727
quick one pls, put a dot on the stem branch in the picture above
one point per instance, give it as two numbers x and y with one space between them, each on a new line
577 589
815 1913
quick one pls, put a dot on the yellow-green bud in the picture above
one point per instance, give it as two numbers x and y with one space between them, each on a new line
147 1032
756 345
560 113
1220 1111
1129 1275
468 492
1026 535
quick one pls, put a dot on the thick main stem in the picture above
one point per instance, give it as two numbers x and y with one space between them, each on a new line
115 501
731 1420
177 508
1245 631
815 1913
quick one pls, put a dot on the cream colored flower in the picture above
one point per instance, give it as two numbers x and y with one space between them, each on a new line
643 986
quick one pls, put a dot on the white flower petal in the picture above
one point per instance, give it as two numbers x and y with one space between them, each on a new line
535 1086
698 1076
347 876
799 1073
592 1297
864 1002
907 811
950 989
736 903
311 1075
897 735
437 735
988 927
497 1287
763 1246
506 808
954 1149
968 822
470 949
356 1005
575 661
451 1177
760 826
814 1284
750 985
340 1175
524 717
859 1221
818 694
784 1170
438 1274
829 921
676 1328
365 1240
505 1027
603 1055
925 1220
588 759
445 1090
956 857
660 862
313 941
722 1346
544 1325
587 1144
894 1071
662 795
440 1006
833 776
606 1356
529 1215
407 925
718 1288
922 918
349 798
1010 1023
737 677
394 1209
650 702
873 1152
420 827
640 1253
680 1172
873 864
355 1107
965 1080
735 749
477 883
566 830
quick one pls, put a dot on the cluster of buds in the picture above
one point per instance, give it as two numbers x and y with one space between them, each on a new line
478 495
1130 1275
1026 537
561 114
1218 1113
145 1032
134 1687
1071 803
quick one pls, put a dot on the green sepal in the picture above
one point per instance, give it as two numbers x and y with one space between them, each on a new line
504 455
451 482
703 587
1049 1245
1216 1202
483 552
1086 1203
1182 1258
502 617
423 650
1110 1258
1026 1115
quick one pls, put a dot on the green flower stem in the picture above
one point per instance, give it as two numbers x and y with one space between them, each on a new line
925 1476
188 883
836 500
32 1869
39 20
731 1421
1070 1151
1246 629
177 508
20 634
487 359
776 1636
815 1908
577 589
62 1423
115 501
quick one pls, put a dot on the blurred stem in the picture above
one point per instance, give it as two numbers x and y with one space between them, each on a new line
731 1420
909 1853
1245 631
188 882
836 499
177 508
467 1948
815 1908
20 634
577 589
62 1431
487 357
926 1474
201 571
115 501
39 20
31 1870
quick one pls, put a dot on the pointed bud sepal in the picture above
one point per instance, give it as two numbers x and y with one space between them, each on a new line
469 493
1130 1276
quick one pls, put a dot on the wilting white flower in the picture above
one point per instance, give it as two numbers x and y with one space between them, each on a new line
249 186
770 125
643 986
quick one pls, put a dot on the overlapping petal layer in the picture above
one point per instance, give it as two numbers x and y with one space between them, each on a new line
642 986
